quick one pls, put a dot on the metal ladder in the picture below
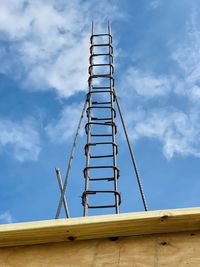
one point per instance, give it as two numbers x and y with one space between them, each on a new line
101 129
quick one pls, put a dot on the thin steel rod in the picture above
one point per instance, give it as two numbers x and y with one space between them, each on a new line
70 161
58 174
132 157
85 209
109 27
117 210
92 28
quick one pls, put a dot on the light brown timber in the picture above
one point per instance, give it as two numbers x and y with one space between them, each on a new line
159 250
95 227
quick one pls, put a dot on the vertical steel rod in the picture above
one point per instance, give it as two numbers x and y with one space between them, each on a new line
92 27
113 129
85 210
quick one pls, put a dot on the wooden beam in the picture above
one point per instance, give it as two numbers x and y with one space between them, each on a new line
128 224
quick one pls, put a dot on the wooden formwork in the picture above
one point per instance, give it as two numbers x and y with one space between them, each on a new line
154 238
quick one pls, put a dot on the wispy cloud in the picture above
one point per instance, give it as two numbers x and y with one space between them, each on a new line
6 217
154 4
187 57
61 129
20 139
177 131
45 43
146 84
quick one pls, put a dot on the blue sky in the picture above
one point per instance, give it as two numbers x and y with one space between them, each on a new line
43 81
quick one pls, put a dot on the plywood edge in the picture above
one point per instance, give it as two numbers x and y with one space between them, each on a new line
127 224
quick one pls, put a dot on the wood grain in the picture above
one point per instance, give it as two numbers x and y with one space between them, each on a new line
128 224
159 250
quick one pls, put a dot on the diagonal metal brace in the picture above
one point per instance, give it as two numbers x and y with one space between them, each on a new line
70 161
132 156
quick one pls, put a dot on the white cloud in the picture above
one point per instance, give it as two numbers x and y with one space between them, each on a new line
187 53
177 131
20 139
187 56
154 4
48 41
61 129
146 84
6 217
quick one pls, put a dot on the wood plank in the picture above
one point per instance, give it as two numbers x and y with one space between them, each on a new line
175 250
127 224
